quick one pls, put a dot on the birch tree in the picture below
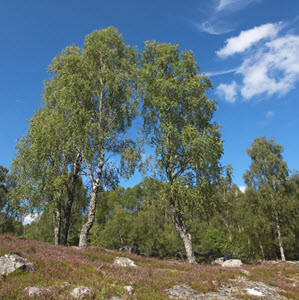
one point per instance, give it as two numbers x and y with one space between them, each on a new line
178 123
88 106
110 66
268 172
45 171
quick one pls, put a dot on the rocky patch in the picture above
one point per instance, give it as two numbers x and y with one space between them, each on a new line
81 292
232 263
245 272
12 262
37 291
218 261
124 262
238 289
129 289
182 292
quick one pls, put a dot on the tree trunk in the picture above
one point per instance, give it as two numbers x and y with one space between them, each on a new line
262 248
71 190
176 212
83 241
230 237
57 223
183 233
283 258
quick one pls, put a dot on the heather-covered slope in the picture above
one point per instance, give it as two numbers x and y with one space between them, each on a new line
94 268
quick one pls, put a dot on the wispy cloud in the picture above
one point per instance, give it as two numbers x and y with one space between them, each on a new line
216 17
270 115
233 4
212 27
217 73
248 38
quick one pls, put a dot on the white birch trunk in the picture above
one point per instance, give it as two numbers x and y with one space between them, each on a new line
83 241
184 234
262 250
57 224
278 229
283 258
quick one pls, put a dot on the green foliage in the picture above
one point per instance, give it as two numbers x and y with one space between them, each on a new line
244 247
178 116
217 241
10 220
177 122
153 231
290 215
116 232
89 104
42 227
267 167
268 175
108 72
134 217
3 188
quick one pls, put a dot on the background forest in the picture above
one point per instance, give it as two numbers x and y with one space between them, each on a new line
241 223
82 140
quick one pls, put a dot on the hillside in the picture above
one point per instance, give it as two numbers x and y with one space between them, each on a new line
61 269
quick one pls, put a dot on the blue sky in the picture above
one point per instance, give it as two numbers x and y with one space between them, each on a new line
249 48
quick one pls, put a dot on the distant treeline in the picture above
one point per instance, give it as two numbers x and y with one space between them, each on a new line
239 223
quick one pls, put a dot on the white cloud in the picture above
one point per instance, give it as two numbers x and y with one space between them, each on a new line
228 91
233 4
248 38
29 218
242 188
273 69
270 115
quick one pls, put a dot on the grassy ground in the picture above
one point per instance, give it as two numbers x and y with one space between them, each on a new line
93 267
